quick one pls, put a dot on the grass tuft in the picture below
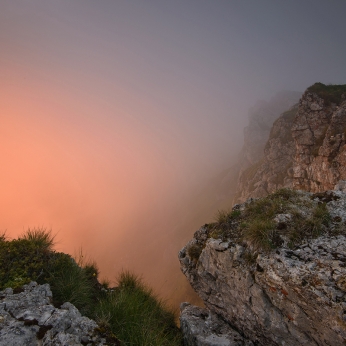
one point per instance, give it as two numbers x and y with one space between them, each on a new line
194 251
136 316
256 227
42 238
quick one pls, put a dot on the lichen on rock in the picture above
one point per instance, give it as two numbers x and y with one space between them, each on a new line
29 318
305 148
285 295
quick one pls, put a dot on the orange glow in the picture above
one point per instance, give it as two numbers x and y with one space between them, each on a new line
100 182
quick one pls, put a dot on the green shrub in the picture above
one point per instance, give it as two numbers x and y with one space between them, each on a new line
194 251
330 93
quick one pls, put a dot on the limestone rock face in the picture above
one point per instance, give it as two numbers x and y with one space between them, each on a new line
320 152
28 318
306 150
285 297
201 327
275 168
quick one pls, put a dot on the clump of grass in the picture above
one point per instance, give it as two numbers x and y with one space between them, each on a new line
41 237
225 220
3 237
308 220
330 93
250 257
223 216
72 283
260 233
136 316
285 194
194 251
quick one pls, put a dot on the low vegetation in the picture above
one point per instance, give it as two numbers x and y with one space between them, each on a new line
330 93
195 251
257 226
134 314
129 312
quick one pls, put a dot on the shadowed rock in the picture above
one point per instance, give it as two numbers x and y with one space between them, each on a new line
28 318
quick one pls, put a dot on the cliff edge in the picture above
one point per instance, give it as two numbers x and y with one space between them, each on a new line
273 270
306 148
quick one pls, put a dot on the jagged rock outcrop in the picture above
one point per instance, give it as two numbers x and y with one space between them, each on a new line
288 296
275 169
306 147
201 327
256 134
28 318
319 131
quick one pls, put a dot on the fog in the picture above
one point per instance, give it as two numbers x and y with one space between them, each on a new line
121 121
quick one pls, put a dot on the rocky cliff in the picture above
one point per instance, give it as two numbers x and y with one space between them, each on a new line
273 270
29 318
261 118
305 149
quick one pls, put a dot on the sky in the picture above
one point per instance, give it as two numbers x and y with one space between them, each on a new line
115 114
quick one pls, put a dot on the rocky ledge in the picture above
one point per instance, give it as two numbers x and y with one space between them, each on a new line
28 318
291 294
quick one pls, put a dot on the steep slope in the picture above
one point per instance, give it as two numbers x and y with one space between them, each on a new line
305 149
261 118
274 270
319 135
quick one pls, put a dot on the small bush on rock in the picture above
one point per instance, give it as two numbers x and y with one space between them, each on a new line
194 251
330 93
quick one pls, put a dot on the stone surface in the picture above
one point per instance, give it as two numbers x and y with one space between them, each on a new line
201 327
306 150
284 297
28 318
261 119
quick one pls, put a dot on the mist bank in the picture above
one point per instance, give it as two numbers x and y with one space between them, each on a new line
125 194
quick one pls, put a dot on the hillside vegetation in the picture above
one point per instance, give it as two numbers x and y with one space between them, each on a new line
266 223
330 93
129 312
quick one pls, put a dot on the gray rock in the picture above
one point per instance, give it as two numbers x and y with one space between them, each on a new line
284 297
305 151
340 186
200 327
28 318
